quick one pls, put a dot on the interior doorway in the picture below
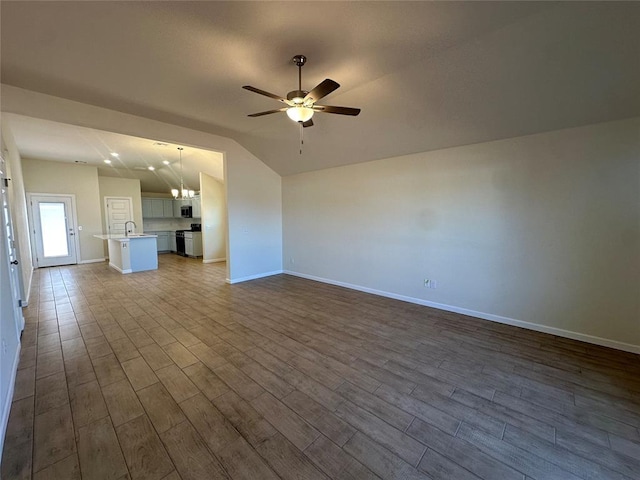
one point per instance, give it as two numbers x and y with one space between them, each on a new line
53 230
119 210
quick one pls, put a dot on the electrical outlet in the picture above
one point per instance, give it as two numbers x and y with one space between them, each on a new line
434 284
291 260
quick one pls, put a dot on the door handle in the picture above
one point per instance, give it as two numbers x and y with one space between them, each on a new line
15 262
71 233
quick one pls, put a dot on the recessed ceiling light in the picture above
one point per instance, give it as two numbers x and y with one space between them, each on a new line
166 162
106 160
151 168
114 154
161 144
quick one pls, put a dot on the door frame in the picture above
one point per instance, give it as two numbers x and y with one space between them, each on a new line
15 272
32 228
106 212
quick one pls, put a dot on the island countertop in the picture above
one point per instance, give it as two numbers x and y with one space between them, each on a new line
122 238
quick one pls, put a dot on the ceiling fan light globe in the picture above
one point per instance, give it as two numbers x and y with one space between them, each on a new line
300 113
175 192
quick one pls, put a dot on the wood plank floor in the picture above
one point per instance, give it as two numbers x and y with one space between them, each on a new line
173 374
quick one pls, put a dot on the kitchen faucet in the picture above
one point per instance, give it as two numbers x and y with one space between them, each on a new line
126 232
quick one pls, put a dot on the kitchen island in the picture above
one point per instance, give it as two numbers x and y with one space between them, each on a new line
133 253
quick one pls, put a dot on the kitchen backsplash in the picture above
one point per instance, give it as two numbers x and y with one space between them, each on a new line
168 224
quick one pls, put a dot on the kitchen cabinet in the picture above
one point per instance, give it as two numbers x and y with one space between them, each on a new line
193 244
163 242
172 242
168 208
157 208
146 208
136 253
196 211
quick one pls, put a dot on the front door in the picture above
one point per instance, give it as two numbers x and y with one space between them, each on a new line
54 229
119 210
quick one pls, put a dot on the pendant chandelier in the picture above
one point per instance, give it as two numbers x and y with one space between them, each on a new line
183 193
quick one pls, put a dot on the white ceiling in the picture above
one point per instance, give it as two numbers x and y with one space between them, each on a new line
427 75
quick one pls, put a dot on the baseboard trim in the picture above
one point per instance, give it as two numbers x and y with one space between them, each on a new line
214 260
93 260
25 303
6 408
115 267
604 342
253 277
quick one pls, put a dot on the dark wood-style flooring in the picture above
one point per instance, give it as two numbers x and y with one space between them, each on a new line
173 374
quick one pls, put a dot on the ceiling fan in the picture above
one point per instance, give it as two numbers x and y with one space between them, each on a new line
301 105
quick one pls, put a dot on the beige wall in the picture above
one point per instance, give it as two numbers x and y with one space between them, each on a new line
156 194
541 231
80 180
120 187
214 222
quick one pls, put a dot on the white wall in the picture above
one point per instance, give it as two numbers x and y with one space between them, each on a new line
254 206
80 180
214 219
542 229
254 201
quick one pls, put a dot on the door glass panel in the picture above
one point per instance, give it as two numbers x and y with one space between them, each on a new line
53 224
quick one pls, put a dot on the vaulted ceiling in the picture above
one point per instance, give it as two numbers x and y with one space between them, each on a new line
427 75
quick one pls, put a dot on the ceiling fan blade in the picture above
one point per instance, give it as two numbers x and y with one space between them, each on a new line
259 114
323 89
338 110
266 94
308 123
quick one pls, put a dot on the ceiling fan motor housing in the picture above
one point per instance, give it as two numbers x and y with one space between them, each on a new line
299 60
296 96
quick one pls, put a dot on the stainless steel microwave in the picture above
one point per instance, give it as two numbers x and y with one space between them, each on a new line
186 211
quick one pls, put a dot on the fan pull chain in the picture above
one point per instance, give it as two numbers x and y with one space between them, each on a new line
301 137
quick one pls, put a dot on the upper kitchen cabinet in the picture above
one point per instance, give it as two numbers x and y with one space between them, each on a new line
147 211
157 207
196 205
167 205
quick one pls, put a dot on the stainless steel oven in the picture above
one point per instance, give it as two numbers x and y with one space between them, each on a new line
180 249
